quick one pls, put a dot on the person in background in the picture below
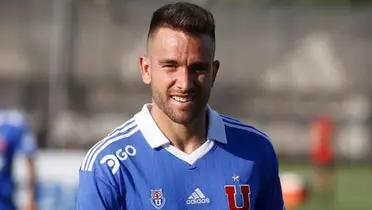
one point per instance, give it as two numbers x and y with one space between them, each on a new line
322 157
15 138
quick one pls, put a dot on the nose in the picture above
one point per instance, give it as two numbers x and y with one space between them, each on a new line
185 80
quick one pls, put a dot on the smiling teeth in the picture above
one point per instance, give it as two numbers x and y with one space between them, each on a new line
181 99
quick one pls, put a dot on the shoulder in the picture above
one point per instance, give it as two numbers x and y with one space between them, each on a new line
12 118
104 150
233 125
242 135
248 139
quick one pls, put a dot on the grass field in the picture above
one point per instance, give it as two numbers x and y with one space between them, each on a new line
352 188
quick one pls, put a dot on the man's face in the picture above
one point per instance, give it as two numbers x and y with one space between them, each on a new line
181 71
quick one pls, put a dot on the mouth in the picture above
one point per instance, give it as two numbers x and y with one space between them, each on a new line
182 99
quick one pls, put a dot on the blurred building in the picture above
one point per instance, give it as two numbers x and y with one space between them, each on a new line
72 65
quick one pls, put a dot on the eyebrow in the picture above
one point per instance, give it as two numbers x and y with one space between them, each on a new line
167 61
171 61
200 64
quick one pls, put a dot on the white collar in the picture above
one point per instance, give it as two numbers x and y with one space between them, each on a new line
155 137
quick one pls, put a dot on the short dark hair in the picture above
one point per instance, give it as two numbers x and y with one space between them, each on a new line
183 16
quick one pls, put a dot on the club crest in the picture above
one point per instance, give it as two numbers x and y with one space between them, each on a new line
157 198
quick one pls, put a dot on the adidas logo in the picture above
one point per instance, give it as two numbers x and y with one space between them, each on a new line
197 197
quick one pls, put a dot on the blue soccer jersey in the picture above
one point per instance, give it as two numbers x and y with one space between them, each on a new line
136 168
15 136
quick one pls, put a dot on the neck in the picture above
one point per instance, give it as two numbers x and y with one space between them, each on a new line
186 137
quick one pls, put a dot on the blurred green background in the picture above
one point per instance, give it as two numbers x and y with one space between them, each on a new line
351 185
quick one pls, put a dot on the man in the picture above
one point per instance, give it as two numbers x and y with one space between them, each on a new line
15 136
178 153
322 132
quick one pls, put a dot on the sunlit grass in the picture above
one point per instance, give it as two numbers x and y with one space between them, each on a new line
351 188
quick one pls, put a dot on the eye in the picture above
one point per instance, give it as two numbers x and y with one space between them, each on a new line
200 68
169 66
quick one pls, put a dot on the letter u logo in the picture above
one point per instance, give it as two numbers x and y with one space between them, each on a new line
230 191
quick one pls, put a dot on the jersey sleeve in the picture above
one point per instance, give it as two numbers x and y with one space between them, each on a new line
96 193
98 189
271 195
27 144
26 141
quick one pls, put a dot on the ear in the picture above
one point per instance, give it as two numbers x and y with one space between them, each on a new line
145 69
216 66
